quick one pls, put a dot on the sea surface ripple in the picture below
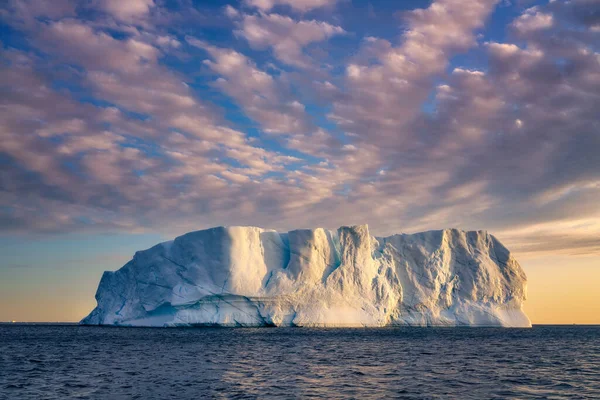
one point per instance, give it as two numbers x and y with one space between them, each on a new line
57 362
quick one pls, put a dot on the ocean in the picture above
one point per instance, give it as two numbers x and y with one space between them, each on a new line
70 361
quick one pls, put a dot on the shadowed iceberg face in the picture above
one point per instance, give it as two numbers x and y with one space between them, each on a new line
248 276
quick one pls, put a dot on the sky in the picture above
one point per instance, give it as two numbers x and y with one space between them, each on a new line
126 123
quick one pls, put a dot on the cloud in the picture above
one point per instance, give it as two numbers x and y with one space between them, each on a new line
387 95
527 129
285 36
297 5
24 13
79 172
533 20
256 91
81 45
231 12
127 10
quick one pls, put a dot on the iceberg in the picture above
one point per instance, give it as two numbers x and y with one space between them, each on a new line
248 276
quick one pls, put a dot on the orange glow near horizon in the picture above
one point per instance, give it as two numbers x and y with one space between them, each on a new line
563 289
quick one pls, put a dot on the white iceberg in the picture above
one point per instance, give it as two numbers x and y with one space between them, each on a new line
247 276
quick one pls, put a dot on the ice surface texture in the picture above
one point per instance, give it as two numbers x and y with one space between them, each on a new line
247 276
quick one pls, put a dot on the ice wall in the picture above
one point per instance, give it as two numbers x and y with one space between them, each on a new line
247 276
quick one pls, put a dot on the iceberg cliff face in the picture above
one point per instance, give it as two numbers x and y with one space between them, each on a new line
246 276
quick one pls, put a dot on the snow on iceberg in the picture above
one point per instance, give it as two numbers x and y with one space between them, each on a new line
247 276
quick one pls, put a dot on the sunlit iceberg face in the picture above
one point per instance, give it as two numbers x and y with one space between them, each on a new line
247 276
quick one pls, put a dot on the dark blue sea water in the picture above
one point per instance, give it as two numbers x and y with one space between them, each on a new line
56 362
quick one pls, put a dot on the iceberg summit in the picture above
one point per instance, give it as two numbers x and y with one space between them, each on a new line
247 276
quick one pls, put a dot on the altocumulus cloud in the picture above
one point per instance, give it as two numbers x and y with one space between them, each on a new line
152 115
